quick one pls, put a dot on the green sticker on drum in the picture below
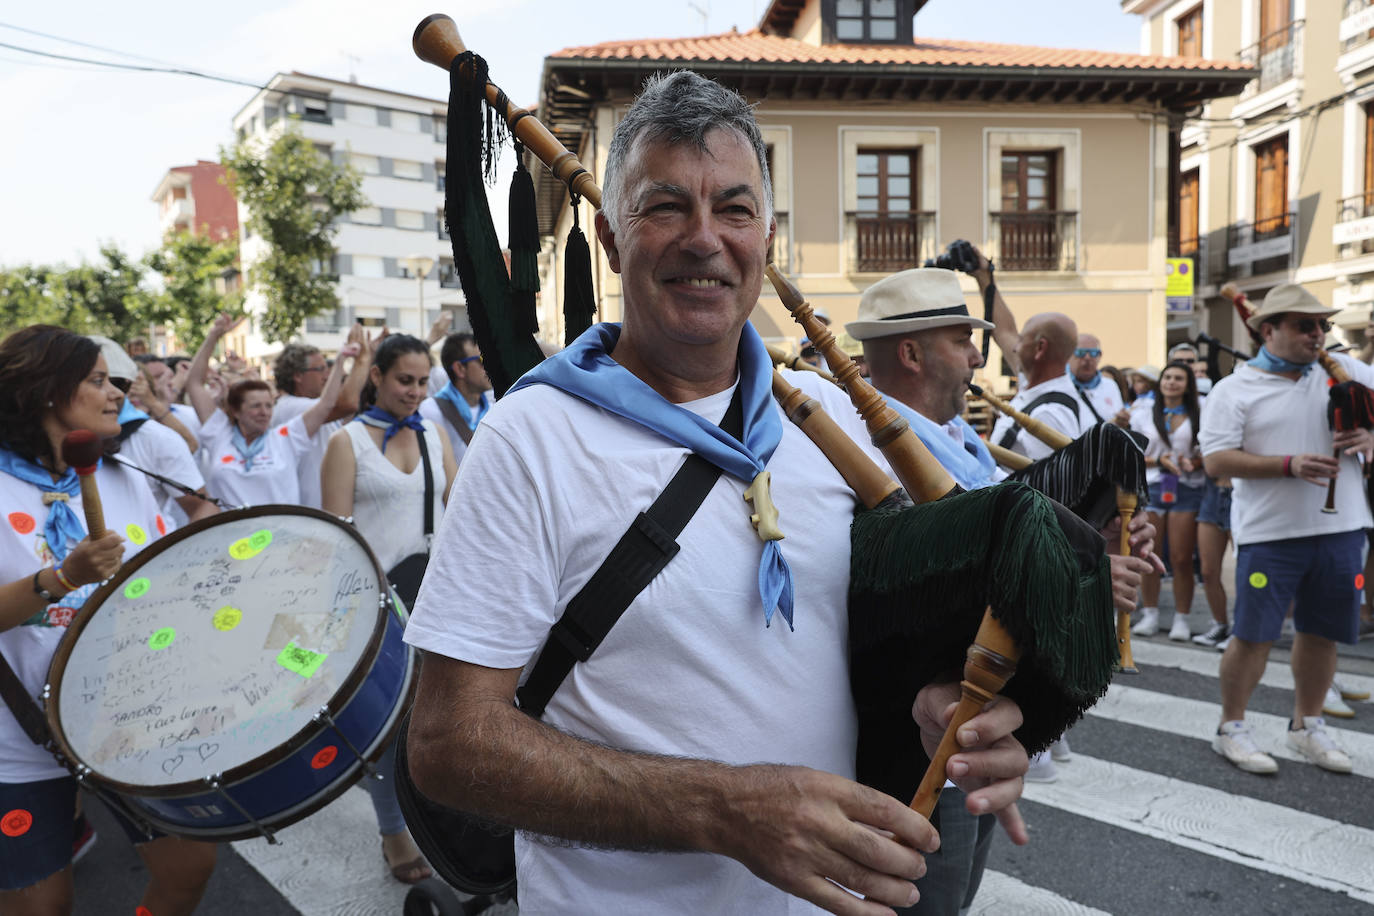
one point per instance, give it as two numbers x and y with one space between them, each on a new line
259 539
162 638
251 546
137 588
226 618
302 661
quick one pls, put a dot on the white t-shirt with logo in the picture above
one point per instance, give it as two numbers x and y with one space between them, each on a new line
156 448
287 408
129 510
271 479
1267 414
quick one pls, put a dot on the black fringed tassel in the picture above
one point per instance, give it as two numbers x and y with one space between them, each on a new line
579 301
523 239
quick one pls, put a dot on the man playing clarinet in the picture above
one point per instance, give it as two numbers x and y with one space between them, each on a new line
1265 426
714 722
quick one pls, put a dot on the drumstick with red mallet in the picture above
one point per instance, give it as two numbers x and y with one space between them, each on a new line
81 452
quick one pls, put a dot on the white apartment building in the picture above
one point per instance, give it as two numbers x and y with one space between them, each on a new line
397 142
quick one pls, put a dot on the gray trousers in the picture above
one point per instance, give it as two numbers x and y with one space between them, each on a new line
955 870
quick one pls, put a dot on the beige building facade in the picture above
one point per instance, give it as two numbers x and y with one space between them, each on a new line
1276 183
885 147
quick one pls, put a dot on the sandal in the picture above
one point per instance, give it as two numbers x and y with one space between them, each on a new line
411 872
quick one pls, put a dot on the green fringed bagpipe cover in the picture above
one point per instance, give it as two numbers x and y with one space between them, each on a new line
920 579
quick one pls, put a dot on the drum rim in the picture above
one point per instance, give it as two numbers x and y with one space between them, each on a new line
348 688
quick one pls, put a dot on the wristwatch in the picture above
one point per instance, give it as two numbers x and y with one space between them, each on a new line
40 591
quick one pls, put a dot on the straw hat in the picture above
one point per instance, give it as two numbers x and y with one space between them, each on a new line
120 364
1149 372
912 300
1288 297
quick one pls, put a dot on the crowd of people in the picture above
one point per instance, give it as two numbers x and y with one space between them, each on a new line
714 720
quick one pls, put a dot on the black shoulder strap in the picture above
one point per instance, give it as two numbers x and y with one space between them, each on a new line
26 711
639 556
455 420
1083 396
429 486
1049 397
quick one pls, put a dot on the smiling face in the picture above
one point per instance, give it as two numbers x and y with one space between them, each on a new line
692 243
94 405
402 387
1173 384
255 413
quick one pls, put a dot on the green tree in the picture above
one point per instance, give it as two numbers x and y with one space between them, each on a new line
294 196
111 294
27 296
193 270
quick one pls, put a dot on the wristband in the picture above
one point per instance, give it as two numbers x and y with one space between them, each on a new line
62 579
1287 465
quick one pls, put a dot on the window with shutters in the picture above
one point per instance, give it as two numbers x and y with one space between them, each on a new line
1190 33
1188 212
1031 229
868 21
886 222
1271 186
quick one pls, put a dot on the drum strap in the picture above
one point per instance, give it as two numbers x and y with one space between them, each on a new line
639 556
460 426
429 489
26 711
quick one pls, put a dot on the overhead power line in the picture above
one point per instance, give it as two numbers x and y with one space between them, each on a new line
180 71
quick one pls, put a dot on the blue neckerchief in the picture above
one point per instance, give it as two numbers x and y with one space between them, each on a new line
63 526
450 394
1085 386
586 370
385 419
128 413
972 466
1178 411
1271 363
247 451
1145 396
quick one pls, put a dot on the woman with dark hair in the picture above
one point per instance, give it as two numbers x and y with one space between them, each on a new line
53 382
373 472
1173 469
245 463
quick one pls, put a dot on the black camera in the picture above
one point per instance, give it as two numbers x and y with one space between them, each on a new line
958 256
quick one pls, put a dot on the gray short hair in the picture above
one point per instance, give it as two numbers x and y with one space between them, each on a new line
680 107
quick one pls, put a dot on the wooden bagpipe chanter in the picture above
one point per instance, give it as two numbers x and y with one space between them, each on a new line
1004 570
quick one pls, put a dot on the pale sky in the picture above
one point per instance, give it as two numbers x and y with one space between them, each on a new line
84 146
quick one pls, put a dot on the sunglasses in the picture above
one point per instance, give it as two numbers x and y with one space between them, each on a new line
123 384
1308 325
1094 352
467 359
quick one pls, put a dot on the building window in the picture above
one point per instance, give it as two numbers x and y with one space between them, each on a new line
442 227
1031 230
448 274
441 130
1188 211
368 165
405 120
315 110
1271 187
410 219
366 265
886 224
360 114
439 175
1190 33
405 168
867 20
367 216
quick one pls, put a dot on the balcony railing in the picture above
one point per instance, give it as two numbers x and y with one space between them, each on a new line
1276 56
1353 234
1357 24
1035 240
1261 247
887 242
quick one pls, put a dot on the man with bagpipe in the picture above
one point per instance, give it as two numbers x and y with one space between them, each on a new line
918 336
1287 437
733 649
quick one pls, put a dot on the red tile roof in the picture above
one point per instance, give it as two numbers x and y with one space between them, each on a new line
756 47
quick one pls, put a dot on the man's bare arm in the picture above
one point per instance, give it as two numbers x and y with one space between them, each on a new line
1005 333
797 828
1234 462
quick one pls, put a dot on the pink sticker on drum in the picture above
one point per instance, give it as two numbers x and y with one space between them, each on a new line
137 588
302 661
162 638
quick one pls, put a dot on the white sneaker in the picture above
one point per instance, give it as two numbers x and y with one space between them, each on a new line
1221 646
1315 743
1179 631
1288 630
1335 705
1059 750
1042 768
1348 693
1149 622
1214 636
1235 742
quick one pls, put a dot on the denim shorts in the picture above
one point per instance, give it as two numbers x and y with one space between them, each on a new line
1186 499
1321 576
36 830
1216 506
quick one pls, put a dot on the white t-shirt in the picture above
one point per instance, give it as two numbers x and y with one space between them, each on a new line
130 511
690 669
1105 398
288 407
272 478
1056 416
388 505
1262 413
161 450
430 410
1179 444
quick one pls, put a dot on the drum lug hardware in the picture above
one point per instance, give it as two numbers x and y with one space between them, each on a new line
369 767
213 783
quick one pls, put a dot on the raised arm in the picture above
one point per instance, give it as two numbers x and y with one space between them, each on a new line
201 398
347 403
1006 333
319 412
161 412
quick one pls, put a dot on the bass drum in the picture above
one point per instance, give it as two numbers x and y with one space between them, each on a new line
235 676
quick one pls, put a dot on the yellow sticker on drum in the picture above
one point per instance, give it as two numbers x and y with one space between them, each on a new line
136 534
251 546
162 638
1258 580
302 661
137 588
240 550
226 618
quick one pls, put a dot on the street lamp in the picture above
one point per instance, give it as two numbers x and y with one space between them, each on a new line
419 265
